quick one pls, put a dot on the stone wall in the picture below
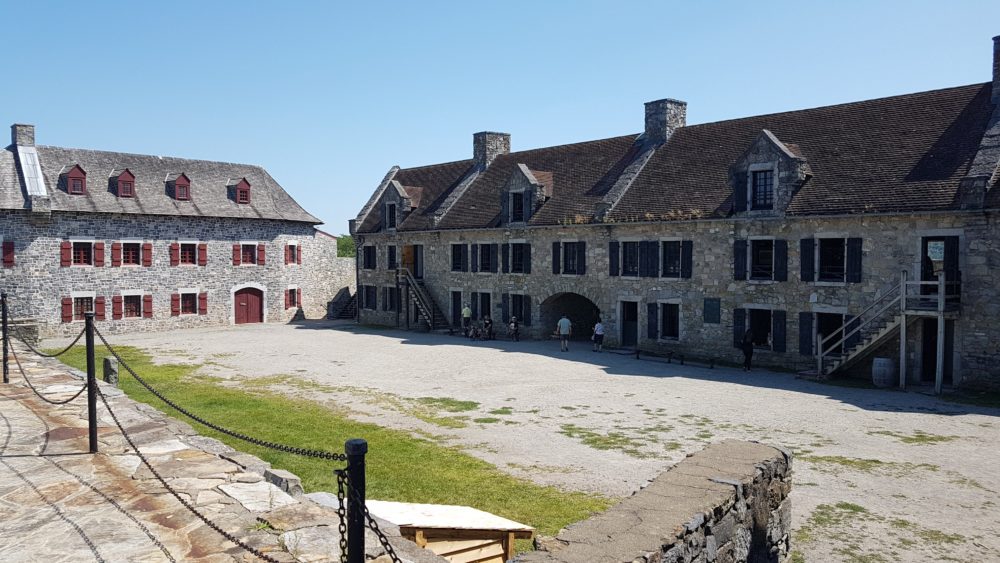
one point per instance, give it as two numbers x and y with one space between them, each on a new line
727 503
891 243
37 282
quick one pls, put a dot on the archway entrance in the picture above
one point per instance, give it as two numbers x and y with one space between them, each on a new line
582 312
249 304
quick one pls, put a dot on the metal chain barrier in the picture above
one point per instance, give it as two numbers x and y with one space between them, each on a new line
320 454
342 511
177 495
32 387
372 523
17 334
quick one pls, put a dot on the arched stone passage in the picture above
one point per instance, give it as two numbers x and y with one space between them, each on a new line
582 312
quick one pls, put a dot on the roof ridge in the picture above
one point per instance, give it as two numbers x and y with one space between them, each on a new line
260 166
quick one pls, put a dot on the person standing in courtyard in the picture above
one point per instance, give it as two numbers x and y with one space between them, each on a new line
598 335
514 329
565 329
747 346
466 319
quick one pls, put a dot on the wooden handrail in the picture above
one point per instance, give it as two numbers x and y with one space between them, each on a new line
883 297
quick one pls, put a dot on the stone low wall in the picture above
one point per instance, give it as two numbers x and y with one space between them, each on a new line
727 503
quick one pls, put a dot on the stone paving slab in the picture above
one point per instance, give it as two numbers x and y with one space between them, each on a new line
110 507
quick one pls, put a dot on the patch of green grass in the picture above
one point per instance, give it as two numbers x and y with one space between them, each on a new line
486 420
939 537
610 441
448 404
401 467
869 465
503 411
796 557
918 437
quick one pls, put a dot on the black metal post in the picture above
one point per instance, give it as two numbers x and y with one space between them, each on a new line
356 449
6 366
88 319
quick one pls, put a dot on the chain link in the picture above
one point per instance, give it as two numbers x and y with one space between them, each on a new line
177 495
342 511
17 334
32 387
372 523
320 454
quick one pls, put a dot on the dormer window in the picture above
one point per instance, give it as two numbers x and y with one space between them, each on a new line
76 180
181 186
517 207
762 189
124 182
390 216
240 190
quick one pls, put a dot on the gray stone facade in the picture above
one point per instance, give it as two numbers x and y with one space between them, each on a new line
890 244
37 283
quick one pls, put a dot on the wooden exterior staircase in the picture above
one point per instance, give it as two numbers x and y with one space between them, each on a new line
887 317
430 314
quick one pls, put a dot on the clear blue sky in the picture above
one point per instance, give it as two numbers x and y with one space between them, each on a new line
327 96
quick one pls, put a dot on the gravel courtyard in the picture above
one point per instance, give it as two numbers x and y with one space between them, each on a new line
879 475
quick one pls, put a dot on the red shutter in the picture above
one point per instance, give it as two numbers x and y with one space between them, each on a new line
67 309
288 298
116 254
298 254
202 254
147 306
260 254
175 304
298 297
236 255
66 254
203 303
116 307
99 308
147 254
288 254
99 254
8 254
175 254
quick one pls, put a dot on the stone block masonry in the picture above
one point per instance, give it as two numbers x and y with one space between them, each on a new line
37 282
727 503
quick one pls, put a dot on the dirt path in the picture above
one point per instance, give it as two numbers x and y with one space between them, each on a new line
880 474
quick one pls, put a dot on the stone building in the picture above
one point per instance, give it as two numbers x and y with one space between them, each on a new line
832 234
155 243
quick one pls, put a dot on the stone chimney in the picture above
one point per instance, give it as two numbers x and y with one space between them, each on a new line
996 70
22 135
663 117
487 145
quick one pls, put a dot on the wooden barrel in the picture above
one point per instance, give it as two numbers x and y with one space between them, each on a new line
883 372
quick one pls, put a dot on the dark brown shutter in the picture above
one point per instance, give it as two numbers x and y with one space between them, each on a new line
652 320
67 309
288 252
298 254
527 258
202 254
739 326
614 248
99 308
175 304
687 258
505 307
116 307
505 257
780 260
66 254
494 267
807 259
740 191
203 303
175 254
147 306
298 298
778 336
147 254
465 258
116 254
806 332
556 257
99 254
288 300
475 257
581 258
260 254
236 255
740 260
8 254
526 310
854 260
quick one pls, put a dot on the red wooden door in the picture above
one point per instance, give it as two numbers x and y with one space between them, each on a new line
249 305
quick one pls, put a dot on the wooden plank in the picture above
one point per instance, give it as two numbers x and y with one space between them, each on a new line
487 553
444 547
